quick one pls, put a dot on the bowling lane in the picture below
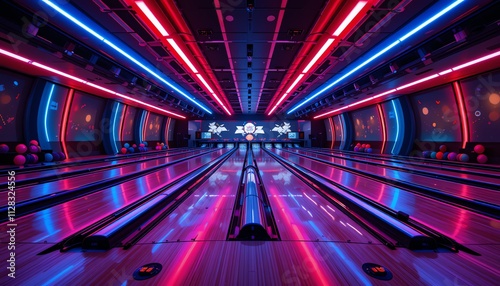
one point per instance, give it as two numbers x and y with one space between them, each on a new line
34 191
453 188
55 223
464 226
302 214
446 167
105 162
206 213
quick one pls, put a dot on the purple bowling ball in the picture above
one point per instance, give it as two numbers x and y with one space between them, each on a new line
56 156
452 156
4 148
33 149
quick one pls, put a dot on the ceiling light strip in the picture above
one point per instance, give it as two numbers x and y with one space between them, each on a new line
354 12
381 52
63 74
145 9
349 18
122 52
414 83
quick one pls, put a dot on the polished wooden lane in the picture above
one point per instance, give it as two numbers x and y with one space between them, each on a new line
43 189
206 213
55 223
460 224
300 212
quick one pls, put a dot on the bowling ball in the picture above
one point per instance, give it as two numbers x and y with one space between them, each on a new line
62 155
19 160
481 158
368 150
433 155
4 148
479 149
442 148
368 146
145 143
131 149
48 157
356 149
464 158
21 149
362 149
33 149
126 145
452 156
359 144
162 144
134 146
34 142
425 154
123 150
56 156
35 158
141 145
29 159
363 146
164 147
445 155
439 155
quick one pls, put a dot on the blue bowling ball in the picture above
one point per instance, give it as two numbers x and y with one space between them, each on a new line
131 149
48 157
126 145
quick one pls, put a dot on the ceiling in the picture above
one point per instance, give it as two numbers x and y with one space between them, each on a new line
247 56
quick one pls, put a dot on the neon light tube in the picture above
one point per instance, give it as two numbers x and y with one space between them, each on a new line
383 51
417 81
463 113
73 19
181 53
430 20
145 9
47 68
293 85
64 124
397 127
122 52
200 77
382 124
482 59
47 111
325 46
349 17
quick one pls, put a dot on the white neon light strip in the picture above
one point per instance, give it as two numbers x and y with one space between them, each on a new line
63 74
325 46
349 17
416 82
181 53
152 18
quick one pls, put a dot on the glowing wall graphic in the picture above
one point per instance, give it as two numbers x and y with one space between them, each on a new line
367 125
14 90
482 100
437 115
50 113
85 117
153 127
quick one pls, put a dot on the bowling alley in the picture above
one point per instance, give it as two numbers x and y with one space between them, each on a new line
250 142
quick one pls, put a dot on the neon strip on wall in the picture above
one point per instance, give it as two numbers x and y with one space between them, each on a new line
397 127
64 125
47 112
332 131
463 113
382 123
